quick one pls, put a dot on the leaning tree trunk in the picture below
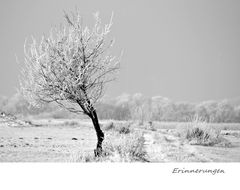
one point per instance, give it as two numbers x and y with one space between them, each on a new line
91 112
99 132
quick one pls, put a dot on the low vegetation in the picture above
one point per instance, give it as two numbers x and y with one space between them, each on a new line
117 148
121 128
199 133
61 140
109 126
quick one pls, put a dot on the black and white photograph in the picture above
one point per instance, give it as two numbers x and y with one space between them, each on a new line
118 82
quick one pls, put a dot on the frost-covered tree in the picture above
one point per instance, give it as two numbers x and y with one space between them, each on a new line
71 68
140 107
225 112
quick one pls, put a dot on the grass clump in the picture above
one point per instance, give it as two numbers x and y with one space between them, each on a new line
109 126
202 136
119 148
199 133
150 126
121 128
126 148
81 157
124 129
70 123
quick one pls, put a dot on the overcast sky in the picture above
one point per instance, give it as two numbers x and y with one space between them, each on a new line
182 49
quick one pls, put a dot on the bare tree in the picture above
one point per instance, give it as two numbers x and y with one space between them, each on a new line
141 108
71 68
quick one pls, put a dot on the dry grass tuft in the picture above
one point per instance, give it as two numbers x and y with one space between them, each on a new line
120 148
109 126
121 128
199 133
124 129
70 123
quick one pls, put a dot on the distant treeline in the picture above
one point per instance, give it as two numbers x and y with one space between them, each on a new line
135 107
159 108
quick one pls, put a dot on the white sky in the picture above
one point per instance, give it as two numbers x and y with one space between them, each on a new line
182 49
